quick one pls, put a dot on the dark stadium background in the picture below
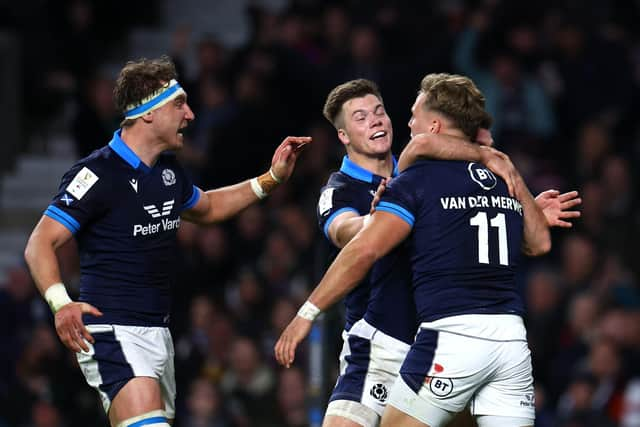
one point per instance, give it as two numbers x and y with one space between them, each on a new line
561 77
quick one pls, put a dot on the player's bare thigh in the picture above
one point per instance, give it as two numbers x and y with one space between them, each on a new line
336 421
139 396
393 417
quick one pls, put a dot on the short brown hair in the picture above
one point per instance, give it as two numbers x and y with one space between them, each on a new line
458 98
139 79
345 92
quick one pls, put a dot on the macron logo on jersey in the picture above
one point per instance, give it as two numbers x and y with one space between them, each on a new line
156 213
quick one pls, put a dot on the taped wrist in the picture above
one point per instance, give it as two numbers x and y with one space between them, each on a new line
56 296
265 184
309 311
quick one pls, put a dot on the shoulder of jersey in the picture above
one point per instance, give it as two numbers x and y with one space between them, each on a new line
336 178
87 173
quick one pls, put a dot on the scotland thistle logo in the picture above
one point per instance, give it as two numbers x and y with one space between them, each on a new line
379 392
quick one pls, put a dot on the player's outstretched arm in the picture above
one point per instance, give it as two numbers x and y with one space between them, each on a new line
381 234
446 147
558 208
40 255
536 239
223 203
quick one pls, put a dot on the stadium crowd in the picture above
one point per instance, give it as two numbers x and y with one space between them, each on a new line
562 81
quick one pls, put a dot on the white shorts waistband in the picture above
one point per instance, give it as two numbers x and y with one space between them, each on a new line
498 327
365 330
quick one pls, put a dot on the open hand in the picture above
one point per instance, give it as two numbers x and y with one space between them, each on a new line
70 327
285 156
500 164
285 348
379 192
555 207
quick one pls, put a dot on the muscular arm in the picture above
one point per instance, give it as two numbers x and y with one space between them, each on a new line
40 253
376 239
536 236
223 203
41 258
345 226
438 146
446 147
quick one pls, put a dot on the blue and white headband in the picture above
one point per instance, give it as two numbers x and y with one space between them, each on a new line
155 100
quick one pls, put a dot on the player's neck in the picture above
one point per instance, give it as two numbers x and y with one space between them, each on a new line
382 166
450 131
147 149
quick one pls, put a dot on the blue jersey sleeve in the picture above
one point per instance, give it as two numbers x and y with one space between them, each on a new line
400 197
190 194
333 201
82 196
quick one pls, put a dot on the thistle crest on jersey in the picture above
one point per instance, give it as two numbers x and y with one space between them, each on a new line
168 177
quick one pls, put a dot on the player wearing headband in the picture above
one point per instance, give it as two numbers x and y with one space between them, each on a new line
123 204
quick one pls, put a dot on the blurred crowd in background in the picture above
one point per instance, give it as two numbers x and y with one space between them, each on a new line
562 81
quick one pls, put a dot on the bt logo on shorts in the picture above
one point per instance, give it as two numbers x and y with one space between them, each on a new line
379 392
440 387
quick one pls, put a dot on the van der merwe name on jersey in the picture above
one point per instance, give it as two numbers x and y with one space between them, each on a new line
153 228
468 202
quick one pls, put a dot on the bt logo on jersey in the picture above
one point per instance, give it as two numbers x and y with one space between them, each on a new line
482 176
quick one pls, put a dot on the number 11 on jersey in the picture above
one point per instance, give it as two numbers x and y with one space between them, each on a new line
480 221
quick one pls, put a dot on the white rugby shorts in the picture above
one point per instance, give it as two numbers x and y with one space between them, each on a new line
121 353
369 364
480 360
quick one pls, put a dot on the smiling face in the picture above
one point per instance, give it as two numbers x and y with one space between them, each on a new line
365 127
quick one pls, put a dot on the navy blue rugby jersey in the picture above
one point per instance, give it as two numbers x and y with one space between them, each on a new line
466 238
391 307
350 189
124 217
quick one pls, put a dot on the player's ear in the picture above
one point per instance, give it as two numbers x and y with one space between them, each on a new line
343 137
436 126
148 117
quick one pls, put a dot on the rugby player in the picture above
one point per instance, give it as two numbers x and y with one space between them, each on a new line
123 204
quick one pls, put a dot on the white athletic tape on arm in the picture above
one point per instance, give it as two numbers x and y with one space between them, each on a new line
275 178
309 311
57 297
257 188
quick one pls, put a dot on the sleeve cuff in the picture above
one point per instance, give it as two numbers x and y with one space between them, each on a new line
333 216
397 210
63 218
195 196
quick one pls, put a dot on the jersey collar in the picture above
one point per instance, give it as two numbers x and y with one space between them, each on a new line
358 172
127 154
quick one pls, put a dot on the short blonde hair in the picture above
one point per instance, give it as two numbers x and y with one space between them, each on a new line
457 98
